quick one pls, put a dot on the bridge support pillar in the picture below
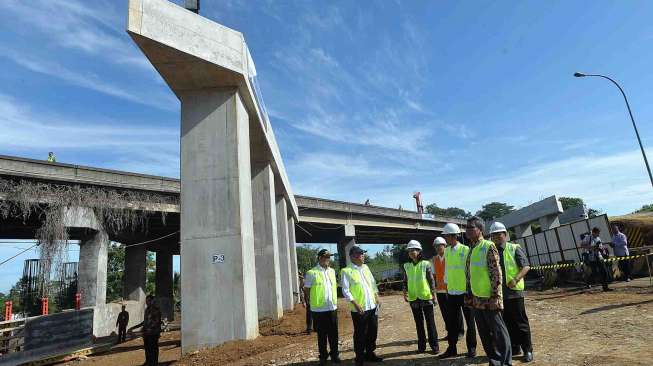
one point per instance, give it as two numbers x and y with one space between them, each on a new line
92 269
523 230
266 244
292 246
135 273
549 222
345 244
218 275
285 262
164 281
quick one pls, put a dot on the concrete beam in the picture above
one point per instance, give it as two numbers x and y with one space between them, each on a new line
268 277
546 207
285 263
164 284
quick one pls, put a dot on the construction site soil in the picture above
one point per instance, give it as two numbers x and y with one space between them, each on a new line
569 326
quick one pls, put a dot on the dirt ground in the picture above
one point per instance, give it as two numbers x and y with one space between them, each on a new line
569 326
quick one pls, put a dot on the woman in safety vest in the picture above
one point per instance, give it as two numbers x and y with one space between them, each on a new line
419 291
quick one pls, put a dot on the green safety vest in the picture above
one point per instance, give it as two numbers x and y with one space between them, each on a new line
418 286
319 290
479 275
356 284
454 259
510 265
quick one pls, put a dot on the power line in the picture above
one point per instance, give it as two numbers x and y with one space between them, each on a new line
8 259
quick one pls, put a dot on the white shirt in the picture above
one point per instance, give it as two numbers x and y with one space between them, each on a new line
370 289
330 304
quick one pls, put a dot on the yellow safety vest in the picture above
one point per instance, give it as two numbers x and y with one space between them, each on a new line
319 290
511 265
479 275
454 259
356 284
418 286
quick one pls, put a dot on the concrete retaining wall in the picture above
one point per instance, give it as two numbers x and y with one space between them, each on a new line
53 334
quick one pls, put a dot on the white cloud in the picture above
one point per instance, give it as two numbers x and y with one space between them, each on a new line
90 81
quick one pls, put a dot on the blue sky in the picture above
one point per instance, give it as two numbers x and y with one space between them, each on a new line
467 102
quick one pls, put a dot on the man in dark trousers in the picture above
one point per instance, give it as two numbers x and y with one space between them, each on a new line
121 323
321 293
514 266
359 288
151 331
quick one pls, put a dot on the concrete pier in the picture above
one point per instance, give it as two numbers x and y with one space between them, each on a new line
348 240
292 248
164 286
284 255
268 279
92 269
135 273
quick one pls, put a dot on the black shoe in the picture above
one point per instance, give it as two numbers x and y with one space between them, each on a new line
471 353
373 358
359 362
435 350
528 357
336 359
450 352
607 289
323 362
516 350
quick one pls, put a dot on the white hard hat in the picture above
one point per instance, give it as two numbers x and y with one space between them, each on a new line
497 227
439 241
450 228
414 244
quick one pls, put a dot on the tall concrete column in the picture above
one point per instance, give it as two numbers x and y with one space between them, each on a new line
292 247
135 273
268 278
92 269
163 285
218 274
285 262
348 240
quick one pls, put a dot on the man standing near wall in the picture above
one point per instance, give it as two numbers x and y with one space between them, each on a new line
320 292
455 256
620 247
151 331
121 323
514 266
485 295
359 288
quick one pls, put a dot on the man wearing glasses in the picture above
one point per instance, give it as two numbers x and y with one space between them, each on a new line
485 295
359 288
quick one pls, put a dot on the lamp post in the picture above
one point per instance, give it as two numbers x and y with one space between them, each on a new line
648 169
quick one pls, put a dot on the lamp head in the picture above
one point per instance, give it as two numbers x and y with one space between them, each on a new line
579 74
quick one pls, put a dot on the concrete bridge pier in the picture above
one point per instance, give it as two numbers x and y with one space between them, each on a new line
266 242
292 248
285 262
135 273
348 240
164 284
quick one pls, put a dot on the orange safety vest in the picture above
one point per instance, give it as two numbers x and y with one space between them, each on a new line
439 268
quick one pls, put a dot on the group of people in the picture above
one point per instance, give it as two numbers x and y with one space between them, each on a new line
477 287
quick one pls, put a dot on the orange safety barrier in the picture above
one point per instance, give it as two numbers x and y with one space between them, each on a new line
78 301
44 306
9 307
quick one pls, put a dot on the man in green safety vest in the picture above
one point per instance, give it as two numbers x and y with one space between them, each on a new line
320 291
485 295
514 266
455 256
359 288
419 291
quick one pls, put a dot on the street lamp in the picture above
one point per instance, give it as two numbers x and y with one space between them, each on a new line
581 75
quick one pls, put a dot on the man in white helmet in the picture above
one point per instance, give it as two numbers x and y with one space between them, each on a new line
514 266
455 257
439 273
419 291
